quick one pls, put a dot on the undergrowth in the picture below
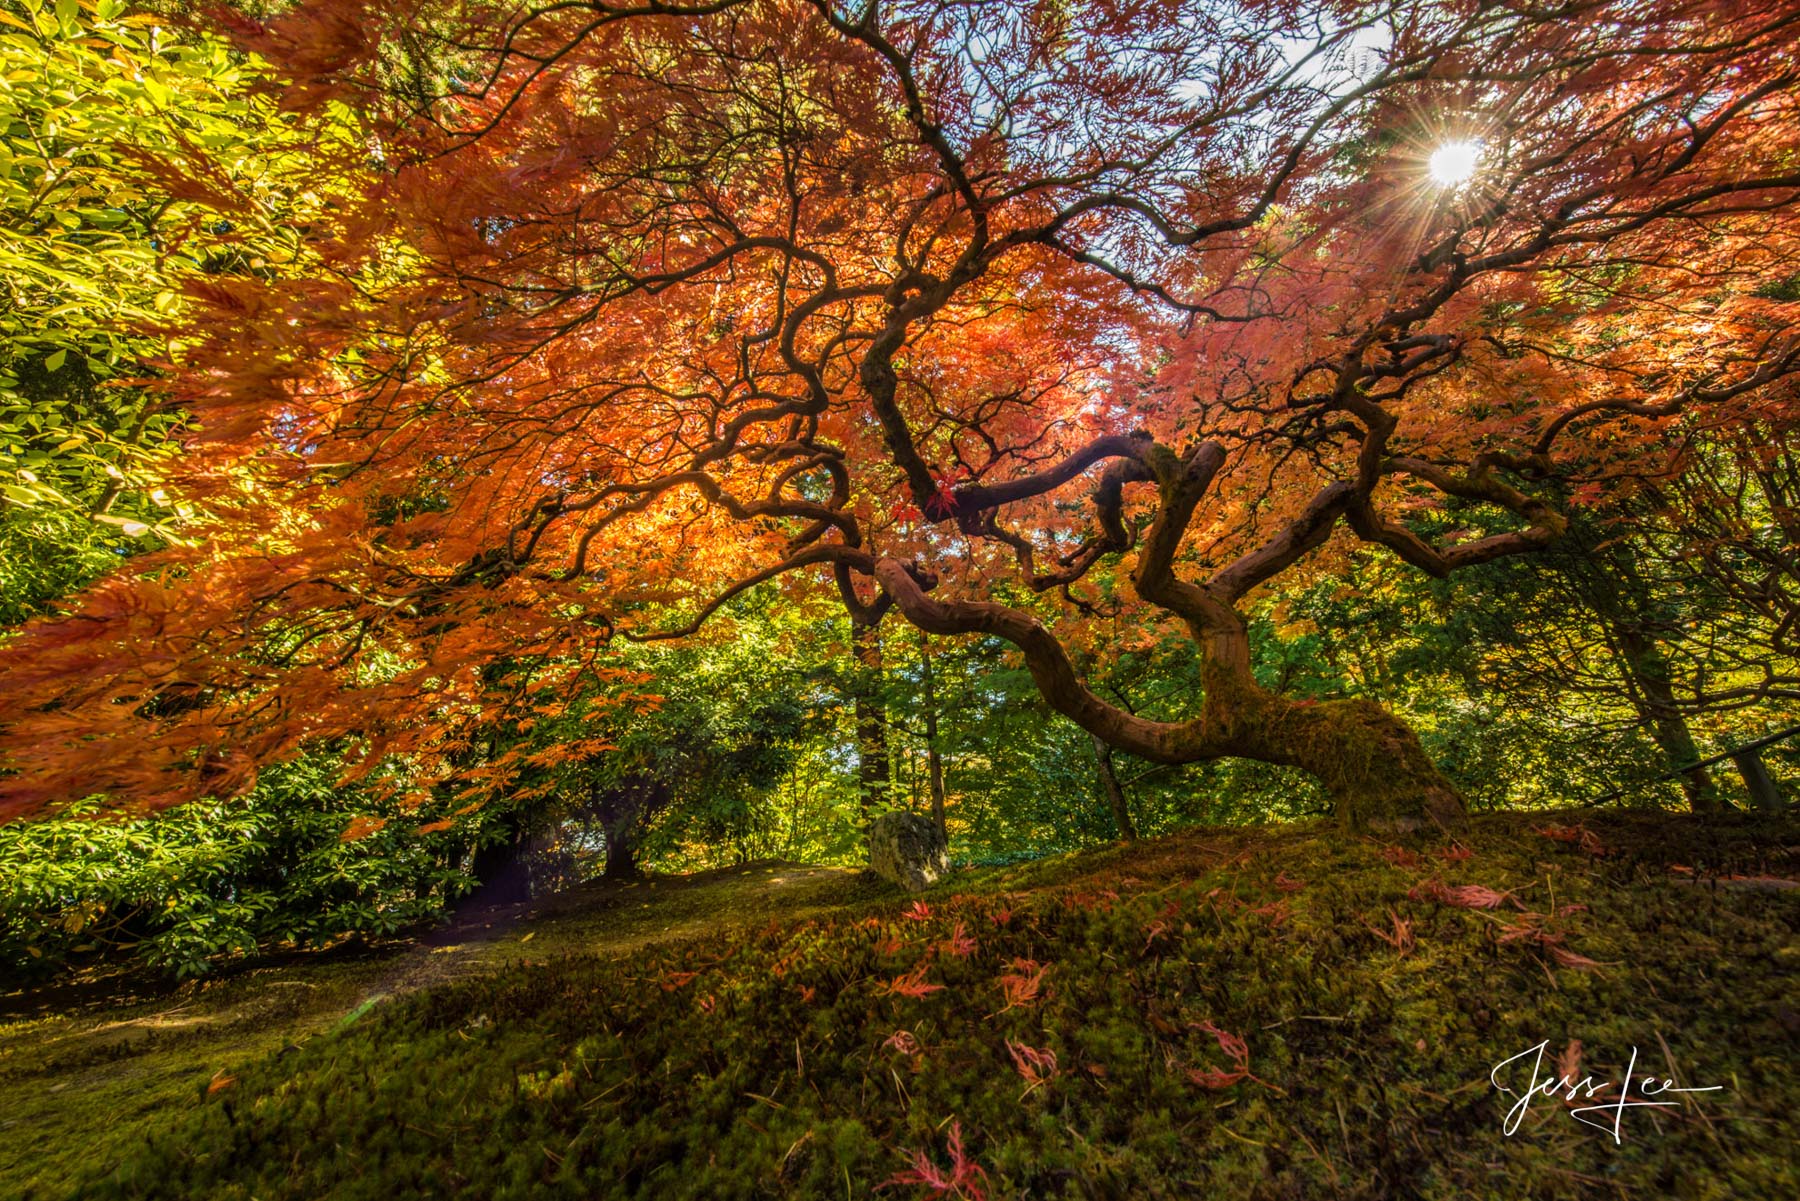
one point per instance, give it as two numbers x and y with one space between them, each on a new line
1254 1014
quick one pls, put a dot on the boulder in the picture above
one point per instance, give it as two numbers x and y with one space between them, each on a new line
907 849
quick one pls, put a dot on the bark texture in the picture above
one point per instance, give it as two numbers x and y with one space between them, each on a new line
1373 768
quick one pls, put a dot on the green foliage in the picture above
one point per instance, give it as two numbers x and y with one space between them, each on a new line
687 769
1515 673
304 860
1024 782
1211 1015
179 890
46 554
729 725
133 161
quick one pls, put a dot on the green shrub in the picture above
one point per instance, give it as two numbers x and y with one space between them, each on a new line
180 889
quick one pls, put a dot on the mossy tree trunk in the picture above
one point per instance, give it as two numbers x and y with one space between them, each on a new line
1374 768
1647 673
1372 765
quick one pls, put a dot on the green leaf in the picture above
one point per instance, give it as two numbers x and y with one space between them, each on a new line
54 362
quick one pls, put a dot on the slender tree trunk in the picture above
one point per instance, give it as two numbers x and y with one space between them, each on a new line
872 767
1764 793
1656 704
793 830
1114 793
451 859
934 761
1670 730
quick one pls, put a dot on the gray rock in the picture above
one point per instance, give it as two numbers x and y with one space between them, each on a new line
907 849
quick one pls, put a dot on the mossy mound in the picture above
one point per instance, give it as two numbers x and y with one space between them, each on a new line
1253 1014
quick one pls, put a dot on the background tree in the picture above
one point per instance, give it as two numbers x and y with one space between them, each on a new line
727 727
714 726
1636 617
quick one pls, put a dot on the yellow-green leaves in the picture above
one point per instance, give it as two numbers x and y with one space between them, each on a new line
103 119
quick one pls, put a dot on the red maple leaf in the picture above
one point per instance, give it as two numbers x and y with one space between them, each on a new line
963 1178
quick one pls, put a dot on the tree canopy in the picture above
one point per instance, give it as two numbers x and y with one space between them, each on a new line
1072 330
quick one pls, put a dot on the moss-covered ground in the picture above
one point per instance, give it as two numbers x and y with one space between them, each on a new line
87 1069
1275 1012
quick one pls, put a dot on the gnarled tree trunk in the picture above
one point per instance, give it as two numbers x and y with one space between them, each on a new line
1373 768
1371 764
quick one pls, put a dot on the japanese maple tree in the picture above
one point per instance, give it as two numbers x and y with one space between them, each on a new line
1045 322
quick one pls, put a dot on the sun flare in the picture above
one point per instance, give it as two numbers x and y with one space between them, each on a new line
1454 162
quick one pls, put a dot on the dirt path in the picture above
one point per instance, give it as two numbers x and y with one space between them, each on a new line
84 1060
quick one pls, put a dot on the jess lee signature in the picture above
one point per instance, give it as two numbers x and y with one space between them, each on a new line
1563 1081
